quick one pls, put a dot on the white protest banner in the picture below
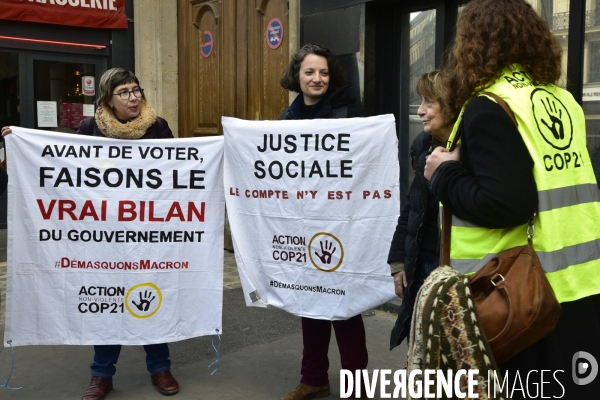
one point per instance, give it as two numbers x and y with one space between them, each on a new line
113 241
312 206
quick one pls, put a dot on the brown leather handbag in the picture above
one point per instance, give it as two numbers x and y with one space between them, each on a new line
515 303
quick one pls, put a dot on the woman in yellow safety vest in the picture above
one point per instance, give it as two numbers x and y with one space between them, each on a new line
503 173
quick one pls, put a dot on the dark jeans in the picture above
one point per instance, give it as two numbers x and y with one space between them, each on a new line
351 340
427 262
106 356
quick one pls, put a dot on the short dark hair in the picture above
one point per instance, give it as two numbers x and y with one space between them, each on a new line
290 77
110 80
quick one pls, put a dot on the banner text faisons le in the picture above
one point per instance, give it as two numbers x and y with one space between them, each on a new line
118 177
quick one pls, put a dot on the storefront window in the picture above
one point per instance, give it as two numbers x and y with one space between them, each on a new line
591 81
556 14
422 60
64 94
10 109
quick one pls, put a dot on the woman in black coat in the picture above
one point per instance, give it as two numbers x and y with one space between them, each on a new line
315 74
414 251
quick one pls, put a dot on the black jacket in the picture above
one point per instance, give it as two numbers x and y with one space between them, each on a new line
3 180
493 185
337 104
412 236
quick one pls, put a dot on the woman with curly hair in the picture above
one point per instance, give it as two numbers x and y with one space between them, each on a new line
505 172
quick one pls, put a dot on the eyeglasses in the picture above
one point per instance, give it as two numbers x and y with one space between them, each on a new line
124 95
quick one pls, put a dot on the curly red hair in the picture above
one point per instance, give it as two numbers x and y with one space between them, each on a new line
490 36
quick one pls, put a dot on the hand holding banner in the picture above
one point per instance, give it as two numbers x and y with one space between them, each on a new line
113 241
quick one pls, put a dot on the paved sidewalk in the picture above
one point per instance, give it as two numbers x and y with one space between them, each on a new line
261 371
231 277
2 291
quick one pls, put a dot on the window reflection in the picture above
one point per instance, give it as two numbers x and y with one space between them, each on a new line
591 81
422 60
60 99
556 13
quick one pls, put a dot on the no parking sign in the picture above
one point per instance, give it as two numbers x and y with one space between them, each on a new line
274 33
207 47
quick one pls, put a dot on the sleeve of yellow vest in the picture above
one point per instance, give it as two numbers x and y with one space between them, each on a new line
493 185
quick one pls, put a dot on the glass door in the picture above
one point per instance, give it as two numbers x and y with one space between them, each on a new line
64 94
9 89
10 110
421 59
61 91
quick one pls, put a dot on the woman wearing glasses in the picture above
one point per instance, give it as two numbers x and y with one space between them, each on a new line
124 113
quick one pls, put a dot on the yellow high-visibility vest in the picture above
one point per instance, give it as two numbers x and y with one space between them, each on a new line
567 224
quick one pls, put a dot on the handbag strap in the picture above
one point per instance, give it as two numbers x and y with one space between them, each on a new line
446 214
503 104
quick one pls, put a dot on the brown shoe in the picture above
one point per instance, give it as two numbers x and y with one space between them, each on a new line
98 388
165 383
306 392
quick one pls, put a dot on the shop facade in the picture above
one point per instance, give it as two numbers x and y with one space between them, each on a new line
52 55
199 60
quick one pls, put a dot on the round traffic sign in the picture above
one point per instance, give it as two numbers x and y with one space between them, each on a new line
274 33
207 47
